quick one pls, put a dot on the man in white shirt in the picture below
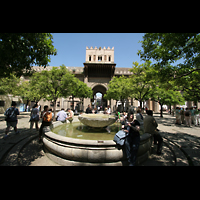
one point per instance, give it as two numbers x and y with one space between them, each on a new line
62 115
109 110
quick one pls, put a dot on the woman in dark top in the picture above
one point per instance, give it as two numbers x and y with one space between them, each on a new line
132 142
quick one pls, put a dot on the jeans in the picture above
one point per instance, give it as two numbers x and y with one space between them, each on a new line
131 147
158 138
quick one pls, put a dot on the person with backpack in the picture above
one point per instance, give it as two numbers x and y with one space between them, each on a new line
35 117
132 141
187 117
11 118
46 120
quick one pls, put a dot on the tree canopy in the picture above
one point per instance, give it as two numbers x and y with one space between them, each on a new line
166 94
167 48
58 82
20 51
118 89
141 81
177 58
9 85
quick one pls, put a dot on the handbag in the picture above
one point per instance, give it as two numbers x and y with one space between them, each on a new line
34 118
120 137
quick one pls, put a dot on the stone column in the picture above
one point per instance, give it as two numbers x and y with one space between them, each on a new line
189 104
156 106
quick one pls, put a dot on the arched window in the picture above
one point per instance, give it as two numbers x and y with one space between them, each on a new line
99 58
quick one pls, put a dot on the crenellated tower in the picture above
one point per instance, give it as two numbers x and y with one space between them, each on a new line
99 68
99 62
99 55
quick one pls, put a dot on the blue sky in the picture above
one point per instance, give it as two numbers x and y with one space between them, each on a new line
71 47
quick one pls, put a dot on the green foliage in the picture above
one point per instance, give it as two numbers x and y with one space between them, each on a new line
19 51
191 86
167 48
142 81
30 91
166 94
118 88
81 90
53 84
9 85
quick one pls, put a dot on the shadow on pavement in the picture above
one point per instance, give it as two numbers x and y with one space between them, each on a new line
30 152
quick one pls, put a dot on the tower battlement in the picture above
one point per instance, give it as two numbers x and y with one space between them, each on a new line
96 55
100 48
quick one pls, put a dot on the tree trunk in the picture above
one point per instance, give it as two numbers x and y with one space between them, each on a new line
170 109
140 103
161 110
54 110
122 105
72 102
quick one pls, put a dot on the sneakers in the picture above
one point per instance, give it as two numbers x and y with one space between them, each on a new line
5 136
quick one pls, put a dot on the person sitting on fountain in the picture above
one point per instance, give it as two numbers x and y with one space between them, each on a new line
105 111
117 114
88 110
94 111
71 115
150 126
132 140
123 118
109 110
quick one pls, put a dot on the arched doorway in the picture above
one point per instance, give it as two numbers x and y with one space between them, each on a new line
98 97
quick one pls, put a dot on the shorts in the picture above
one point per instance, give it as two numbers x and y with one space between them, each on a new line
13 124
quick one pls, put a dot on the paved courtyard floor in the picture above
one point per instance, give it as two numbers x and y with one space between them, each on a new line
181 145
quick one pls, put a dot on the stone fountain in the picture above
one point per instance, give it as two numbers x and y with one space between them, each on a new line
69 151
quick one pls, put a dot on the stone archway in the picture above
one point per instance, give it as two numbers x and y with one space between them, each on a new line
99 88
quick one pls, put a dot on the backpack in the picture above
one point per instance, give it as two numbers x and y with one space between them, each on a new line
187 113
10 114
119 138
47 117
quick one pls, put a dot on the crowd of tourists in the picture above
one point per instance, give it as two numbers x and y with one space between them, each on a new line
187 116
96 110
131 128
46 118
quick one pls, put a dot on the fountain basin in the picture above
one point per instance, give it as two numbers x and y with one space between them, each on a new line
79 152
97 120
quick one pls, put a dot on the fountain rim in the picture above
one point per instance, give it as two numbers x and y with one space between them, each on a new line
107 116
82 142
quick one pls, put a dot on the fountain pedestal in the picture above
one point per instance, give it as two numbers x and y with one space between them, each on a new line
97 120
